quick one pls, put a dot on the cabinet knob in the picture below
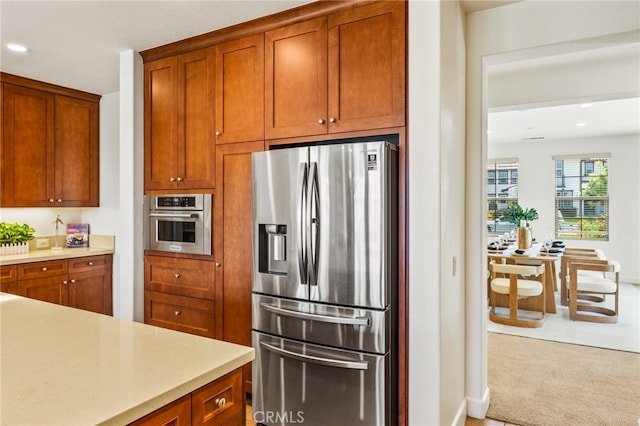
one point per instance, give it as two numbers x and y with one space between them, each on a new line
90 263
218 132
332 120
73 281
177 312
59 200
51 200
172 179
320 121
220 402
177 275
218 264
44 269
65 282
179 179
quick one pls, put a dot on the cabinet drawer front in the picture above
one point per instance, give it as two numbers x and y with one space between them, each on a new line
89 263
218 402
8 273
42 269
186 277
177 413
187 314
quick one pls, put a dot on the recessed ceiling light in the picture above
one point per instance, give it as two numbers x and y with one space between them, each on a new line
17 47
581 124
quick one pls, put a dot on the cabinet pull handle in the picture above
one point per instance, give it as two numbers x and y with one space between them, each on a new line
320 121
332 120
177 312
177 275
220 402
44 269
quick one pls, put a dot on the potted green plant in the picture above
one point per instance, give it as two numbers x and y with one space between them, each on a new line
515 214
14 238
522 219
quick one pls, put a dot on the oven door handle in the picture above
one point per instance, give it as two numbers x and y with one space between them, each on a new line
328 362
363 321
180 215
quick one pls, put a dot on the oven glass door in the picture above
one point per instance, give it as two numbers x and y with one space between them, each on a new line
177 232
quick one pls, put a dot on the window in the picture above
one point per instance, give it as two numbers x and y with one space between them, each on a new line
582 197
502 190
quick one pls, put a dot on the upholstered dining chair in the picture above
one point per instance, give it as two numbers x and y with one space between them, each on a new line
569 255
507 279
581 285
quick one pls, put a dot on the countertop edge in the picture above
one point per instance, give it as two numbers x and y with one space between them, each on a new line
45 255
163 399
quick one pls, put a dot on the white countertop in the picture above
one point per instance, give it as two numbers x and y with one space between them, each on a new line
98 245
66 366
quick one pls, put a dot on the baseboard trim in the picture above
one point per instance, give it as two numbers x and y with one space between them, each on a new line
461 414
477 408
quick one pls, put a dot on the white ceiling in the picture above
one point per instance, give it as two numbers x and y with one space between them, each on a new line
77 43
569 121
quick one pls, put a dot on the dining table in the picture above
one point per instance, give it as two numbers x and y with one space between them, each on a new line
537 254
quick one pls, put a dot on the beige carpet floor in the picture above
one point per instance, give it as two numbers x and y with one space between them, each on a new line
537 382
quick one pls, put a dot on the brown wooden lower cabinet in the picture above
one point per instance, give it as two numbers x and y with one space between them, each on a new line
83 283
9 279
181 313
220 402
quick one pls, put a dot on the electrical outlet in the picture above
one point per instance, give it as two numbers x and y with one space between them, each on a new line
42 243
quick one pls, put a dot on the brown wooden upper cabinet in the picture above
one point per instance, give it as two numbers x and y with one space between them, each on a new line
178 139
340 73
50 147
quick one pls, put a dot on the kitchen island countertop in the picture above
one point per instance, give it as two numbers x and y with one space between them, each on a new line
66 366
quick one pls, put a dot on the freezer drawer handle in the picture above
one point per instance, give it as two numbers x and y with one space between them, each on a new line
315 317
352 365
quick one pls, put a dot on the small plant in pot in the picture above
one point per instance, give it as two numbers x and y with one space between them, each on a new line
14 238
518 216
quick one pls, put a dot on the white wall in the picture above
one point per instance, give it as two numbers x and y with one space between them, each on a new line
497 35
436 214
536 188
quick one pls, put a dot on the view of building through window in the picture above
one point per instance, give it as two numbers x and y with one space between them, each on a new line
502 190
582 197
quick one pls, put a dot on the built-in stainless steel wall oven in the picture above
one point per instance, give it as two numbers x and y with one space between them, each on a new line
178 223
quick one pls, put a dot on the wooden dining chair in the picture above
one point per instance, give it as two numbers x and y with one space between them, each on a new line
571 254
512 284
581 286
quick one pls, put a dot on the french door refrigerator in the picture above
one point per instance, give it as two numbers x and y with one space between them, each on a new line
325 256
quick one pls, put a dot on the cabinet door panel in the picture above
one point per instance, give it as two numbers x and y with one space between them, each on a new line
48 289
367 67
76 153
296 80
195 143
187 314
91 291
186 277
233 238
240 90
27 147
160 124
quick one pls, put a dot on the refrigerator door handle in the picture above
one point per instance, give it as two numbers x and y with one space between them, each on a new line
361 321
313 224
301 228
328 362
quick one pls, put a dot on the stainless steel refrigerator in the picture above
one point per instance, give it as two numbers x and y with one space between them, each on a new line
325 256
